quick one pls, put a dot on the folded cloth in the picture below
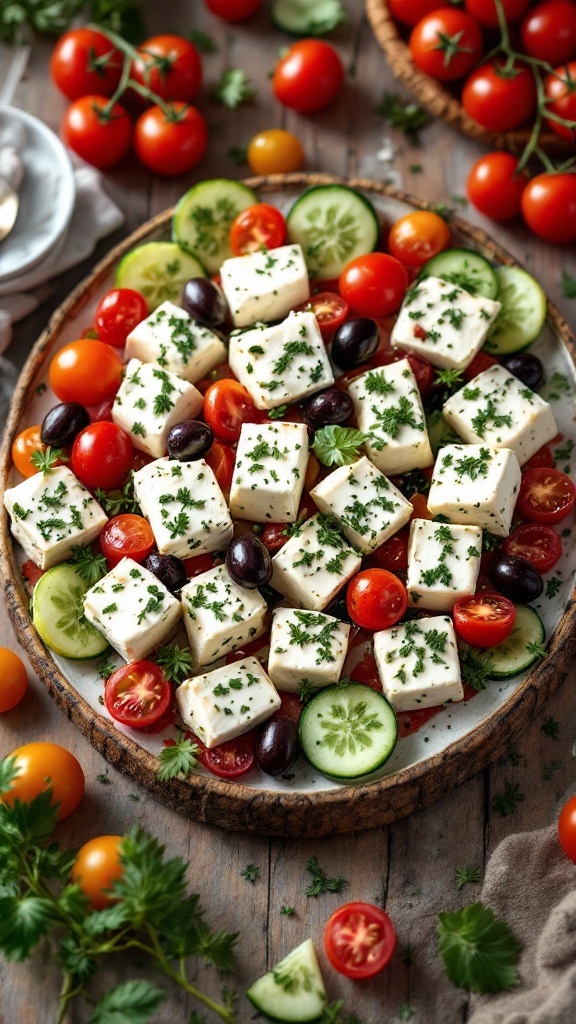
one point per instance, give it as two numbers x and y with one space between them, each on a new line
531 884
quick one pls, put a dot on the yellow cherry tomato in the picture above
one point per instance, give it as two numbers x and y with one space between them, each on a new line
13 679
417 237
43 766
275 151
97 867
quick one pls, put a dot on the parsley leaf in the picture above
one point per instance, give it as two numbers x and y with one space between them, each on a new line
178 758
331 15
234 88
89 565
132 1002
479 951
506 802
251 873
405 115
467 874
175 662
338 446
320 882
568 285
550 727
45 459
202 41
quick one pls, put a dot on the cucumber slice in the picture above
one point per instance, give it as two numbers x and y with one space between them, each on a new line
307 17
159 270
58 615
348 731
333 224
523 312
293 990
465 268
516 653
203 218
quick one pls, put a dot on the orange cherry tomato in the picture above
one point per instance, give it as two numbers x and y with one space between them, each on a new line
417 237
567 828
275 151
85 371
13 679
43 766
97 867
24 446
421 510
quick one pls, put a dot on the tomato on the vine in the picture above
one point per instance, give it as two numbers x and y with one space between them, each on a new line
486 13
549 31
169 66
88 372
374 285
499 97
137 694
540 545
13 679
100 135
126 536
172 140
233 10
549 207
221 459
330 310
96 868
417 237
410 12
102 455
376 599
446 44
359 939
308 76
231 759
567 828
495 186
546 496
42 766
118 313
484 619
84 61
560 92
227 405
275 151
259 227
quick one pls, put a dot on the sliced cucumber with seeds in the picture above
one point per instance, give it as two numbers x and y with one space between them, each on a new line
307 17
159 270
465 268
58 615
203 218
333 224
523 312
522 649
348 731
293 990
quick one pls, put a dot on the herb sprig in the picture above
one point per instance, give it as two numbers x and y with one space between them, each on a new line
479 951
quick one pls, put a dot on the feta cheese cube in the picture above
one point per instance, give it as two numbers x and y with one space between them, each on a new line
306 646
389 409
265 285
173 340
443 323
497 409
184 506
271 461
132 609
314 564
219 615
443 563
283 363
367 506
475 485
150 402
227 702
51 513
418 663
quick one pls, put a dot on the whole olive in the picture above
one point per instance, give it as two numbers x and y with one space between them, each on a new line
168 569
205 302
527 367
277 745
248 562
354 342
328 408
62 423
189 440
516 578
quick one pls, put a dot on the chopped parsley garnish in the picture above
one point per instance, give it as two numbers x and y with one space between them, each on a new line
153 604
392 419
320 882
89 565
251 873
471 465
376 384
45 459
177 758
234 88
175 662
489 416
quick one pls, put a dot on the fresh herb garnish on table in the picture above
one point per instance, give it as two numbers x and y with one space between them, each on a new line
467 874
287 911
568 285
178 758
405 1012
103 779
53 17
251 873
551 728
334 1013
320 882
106 669
234 88
88 564
338 446
202 41
405 115
506 802
549 770
479 951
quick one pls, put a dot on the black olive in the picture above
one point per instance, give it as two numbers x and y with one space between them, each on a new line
63 423
277 745
527 368
516 578
248 562
189 440
168 569
354 342
205 302
328 408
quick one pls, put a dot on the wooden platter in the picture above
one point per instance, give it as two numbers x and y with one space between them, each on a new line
461 740
436 98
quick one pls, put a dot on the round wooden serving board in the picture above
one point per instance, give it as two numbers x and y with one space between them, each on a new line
454 745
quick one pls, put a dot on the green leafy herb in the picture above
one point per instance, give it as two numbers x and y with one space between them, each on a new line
405 115
238 155
405 1012
321 23
533 647
103 778
202 41
449 378
175 662
551 728
89 565
179 758
320 882
124 500
553 586
278 413
338 446
557 385
53 17
475 671
287 911
550 769
466 875
132 1002
568 285
251 873
234 88
45 459
106 669
479 951
506 802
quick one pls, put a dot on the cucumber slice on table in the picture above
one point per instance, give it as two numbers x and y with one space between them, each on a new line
333 224
307 17
203 218
293 990
348 731
465 268
523 312
159 270
516 653
58 615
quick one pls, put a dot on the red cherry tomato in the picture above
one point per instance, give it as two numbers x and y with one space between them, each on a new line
446 44
227 405
549 31
259 227
567 828
102 455
538 544
221 460
549 207
88 372
485 12
231 759
543 457
376 599
484 620
374 285
560 92
126 536
291 706
172 140
495 186
85 61
199 564
417 237
137 694
546 496
100 136
118 313
498 99
423 372
169 65
410 12
330 310
392 555
359 939
274 536
309 76
233 10
483 361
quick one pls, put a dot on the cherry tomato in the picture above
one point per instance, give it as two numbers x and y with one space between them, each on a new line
100 136
88 372
549 207
423 372
411 11
102 455
198 564
126 536
498 99
420 505
482 361
485 12
495 186
221 460
309 76
567 828
291 706
13 679
330 310
24 446
96 868
137 694
171 141
275 151
374 285
31 572
169 65
227 405
274 536
359 939
231 759
549 31
85 61
543 457
546 496
446 44
538 544
43 766
233 10
376 599
484 620
392 555
259 227
560 92
118 313
417 237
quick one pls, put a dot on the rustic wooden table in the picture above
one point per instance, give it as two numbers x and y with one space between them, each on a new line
408 868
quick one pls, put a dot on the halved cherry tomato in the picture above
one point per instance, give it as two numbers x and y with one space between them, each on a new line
259 227
567 828
85 371
24 446
221 460
102 455
392 555
484 620
417 237
126 536
227 405
118 313
538 544
421 510
359 939
543 457
376 599
97 867
231 759
330 310
42 766
137 694
482 361
546 495
198 564
374 285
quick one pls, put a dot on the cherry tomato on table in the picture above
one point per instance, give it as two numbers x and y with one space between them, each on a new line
88 372
485 12
376 599
171 141
549 207
495 186
118 313
227 405
100 136
169 66
417 237
85 61
374 285
126 536
102 455
549 31
538 544
359 939
231 759
484 620
498 98
567 828
259 227
233 10
560 92
97 867
275 151
446 44
546 496
13 679
43 766
411 11
330 310
309 76
137 694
